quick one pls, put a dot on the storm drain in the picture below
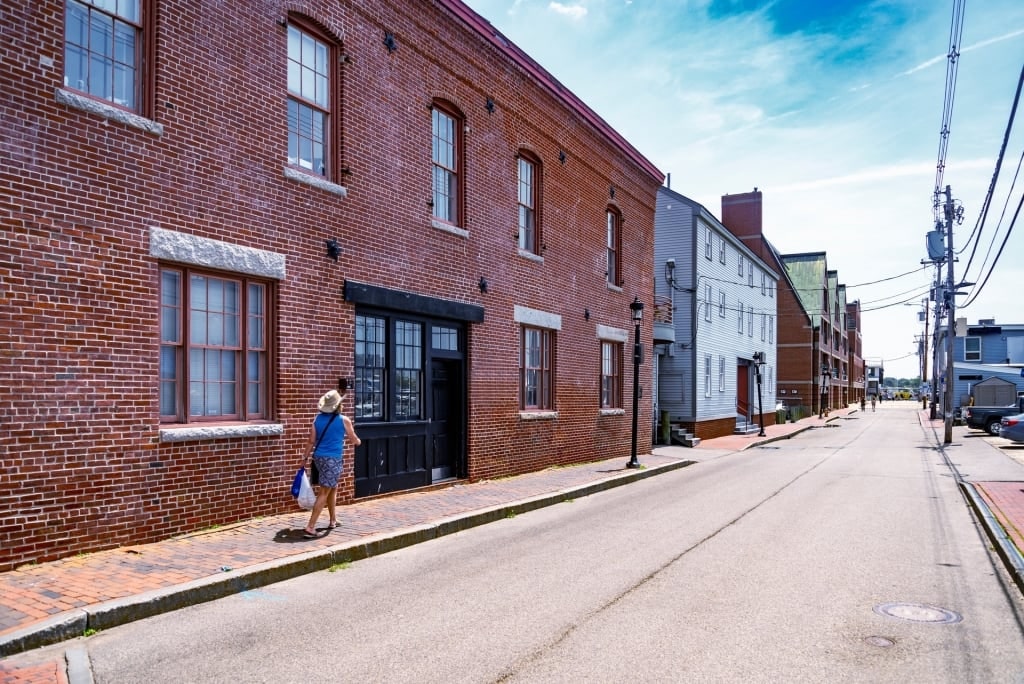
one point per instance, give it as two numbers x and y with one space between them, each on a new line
918 612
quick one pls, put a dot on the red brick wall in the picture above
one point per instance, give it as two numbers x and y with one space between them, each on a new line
83 465
723 427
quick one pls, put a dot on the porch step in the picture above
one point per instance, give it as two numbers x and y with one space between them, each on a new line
681 436
745 428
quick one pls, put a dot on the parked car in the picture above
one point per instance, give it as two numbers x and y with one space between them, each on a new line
1012 428
988 418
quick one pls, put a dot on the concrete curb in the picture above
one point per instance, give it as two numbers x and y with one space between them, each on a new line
777 438
72 624
1005 547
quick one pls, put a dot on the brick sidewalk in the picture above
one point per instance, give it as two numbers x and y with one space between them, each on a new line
1006 499
33 594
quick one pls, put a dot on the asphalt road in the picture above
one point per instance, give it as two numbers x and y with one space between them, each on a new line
844 554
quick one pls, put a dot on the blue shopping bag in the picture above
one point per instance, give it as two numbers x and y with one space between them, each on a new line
297 482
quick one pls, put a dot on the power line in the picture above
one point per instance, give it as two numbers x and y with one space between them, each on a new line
988 198
956 30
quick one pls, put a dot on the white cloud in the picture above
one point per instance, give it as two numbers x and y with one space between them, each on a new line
844 152
574 12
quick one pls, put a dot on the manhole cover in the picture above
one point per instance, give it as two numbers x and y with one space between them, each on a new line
918 612
880 641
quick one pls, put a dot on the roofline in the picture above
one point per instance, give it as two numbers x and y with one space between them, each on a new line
785 274
544 78
702 211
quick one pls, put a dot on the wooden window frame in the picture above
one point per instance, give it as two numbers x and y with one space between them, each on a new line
611 374
613 245
329 110
253 322
143 54
452 170
544 369
528 202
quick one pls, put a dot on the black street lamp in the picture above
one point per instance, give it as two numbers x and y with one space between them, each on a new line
636 310
758 362
826 380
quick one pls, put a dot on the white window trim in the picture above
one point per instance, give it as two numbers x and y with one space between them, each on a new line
707 303
707 376
978 352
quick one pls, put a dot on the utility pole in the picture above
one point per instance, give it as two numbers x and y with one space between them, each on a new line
936 290
950 295
924 350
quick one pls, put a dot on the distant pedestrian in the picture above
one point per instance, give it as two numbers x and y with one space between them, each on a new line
872 402
326 446
862 403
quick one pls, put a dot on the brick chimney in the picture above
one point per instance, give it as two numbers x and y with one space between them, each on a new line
741 214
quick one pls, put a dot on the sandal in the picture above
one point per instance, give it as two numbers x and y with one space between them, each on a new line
333 525
306 534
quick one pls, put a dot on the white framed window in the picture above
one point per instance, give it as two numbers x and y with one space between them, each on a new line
707 303
771 329
707 375
750 321
707 243
972 349
721 250
771 288
750 273
764 325
721 373
764 284
739 264
739 317
721 304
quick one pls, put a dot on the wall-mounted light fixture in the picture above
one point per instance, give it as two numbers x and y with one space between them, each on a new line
611 191
482 285
586 314
389 42
282 22
333 248
562 156
489 106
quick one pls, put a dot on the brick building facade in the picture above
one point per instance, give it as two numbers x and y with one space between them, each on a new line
214 211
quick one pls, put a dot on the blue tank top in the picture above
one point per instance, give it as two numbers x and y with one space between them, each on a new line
333 443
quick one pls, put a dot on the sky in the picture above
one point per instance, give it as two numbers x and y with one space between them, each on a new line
834 110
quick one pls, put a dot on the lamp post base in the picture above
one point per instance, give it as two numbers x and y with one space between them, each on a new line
632 464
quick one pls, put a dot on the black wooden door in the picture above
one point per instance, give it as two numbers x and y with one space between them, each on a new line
446 408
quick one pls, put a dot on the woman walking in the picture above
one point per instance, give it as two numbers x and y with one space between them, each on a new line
326 446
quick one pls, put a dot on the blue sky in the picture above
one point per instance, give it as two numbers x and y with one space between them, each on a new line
832 108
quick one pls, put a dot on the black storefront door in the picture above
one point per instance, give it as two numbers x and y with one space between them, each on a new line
445 418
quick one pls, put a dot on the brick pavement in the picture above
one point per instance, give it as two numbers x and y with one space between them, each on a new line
1006 499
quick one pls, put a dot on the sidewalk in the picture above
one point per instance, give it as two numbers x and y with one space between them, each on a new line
52 602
